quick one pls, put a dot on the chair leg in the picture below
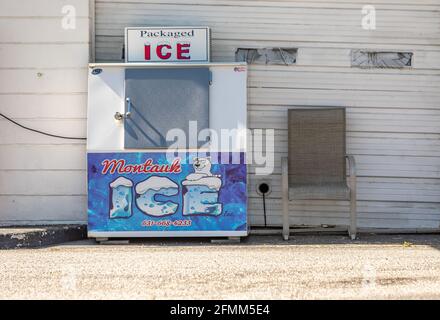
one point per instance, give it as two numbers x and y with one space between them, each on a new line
352 229
353 217
285 191
286 226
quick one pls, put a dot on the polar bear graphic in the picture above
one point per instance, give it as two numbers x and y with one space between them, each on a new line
201 190
202 169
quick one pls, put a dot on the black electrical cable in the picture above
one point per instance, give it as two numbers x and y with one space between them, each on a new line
41 132
264 209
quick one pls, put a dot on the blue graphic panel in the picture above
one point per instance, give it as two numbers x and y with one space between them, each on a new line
141 191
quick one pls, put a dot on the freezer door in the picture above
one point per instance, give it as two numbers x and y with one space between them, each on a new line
160 99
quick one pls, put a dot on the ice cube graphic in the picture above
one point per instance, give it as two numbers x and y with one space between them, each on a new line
146 192
200 195
121 196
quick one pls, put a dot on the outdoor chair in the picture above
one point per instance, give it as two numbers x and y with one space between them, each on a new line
315 168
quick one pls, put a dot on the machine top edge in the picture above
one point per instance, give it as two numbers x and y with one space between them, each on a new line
166 65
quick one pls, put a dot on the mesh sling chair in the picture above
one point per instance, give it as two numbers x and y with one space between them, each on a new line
315 168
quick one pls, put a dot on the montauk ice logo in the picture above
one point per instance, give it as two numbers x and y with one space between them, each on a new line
200 191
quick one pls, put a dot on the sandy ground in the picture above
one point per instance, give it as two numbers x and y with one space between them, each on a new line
261 267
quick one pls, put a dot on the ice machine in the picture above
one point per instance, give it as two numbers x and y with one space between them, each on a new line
166 150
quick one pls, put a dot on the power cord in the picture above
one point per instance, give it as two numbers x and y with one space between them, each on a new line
41 132
263 190
264 210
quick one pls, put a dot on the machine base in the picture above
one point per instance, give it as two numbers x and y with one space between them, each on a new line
99 235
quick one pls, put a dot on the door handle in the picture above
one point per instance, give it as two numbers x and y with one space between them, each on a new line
119 116
128 113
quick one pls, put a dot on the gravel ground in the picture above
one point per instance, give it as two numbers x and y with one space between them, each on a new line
261 267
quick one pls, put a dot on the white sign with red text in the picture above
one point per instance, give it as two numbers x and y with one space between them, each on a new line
167 44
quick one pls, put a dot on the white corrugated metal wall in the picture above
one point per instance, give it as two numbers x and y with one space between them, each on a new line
43 85
393 115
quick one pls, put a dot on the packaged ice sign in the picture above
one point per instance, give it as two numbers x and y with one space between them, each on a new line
167 44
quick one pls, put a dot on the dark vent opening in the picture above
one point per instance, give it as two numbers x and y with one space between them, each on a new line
277 56
381 59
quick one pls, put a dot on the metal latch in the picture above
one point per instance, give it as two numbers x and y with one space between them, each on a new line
120 116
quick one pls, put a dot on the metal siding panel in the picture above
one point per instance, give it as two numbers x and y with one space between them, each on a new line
57 209
393 115
44 67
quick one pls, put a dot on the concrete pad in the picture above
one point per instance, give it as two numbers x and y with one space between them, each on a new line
31 237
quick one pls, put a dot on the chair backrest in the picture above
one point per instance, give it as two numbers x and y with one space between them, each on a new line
316 145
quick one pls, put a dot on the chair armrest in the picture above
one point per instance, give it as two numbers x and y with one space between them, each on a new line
284 165
285 177
352 171
351 165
